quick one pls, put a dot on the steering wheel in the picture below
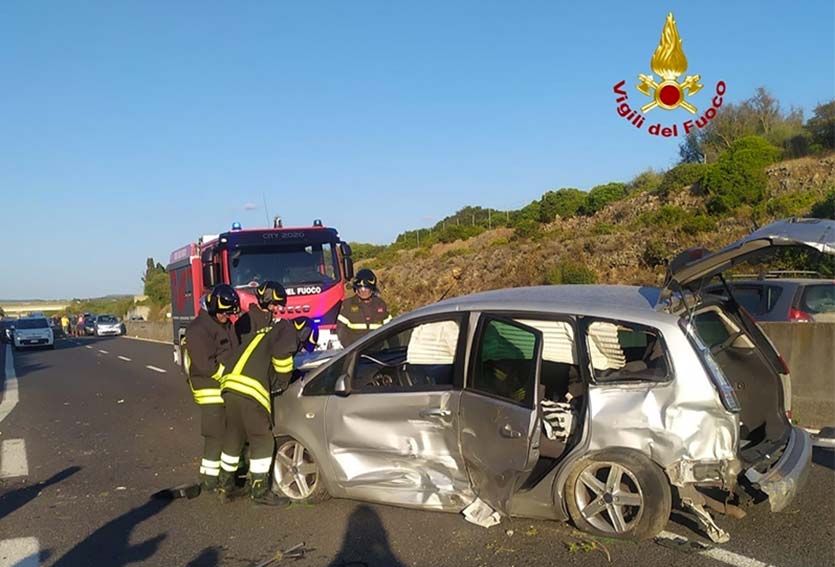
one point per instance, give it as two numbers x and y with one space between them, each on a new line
380 379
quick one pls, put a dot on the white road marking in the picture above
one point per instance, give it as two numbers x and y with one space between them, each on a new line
125 358
103 351
719 554
155 369
88 346
13 458
20 552
9 389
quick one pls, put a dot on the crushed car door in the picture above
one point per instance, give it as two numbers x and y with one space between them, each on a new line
393 436
499 422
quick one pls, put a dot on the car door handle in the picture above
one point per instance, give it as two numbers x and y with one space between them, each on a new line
435 412
509 432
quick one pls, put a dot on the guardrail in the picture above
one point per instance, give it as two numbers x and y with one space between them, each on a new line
809 350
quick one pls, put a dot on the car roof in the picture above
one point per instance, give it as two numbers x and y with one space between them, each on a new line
632 303
791 281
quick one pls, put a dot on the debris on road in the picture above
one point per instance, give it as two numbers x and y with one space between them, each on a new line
295 552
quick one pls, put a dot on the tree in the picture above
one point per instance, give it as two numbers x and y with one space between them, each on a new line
563 203
738 176
2 313
821 126
602 195
157 286
647 180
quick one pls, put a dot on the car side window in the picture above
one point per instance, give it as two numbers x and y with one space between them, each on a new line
324 383
419 357
750 297
625 351
505 363
772 296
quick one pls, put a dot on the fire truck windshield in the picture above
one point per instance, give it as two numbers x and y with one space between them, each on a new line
288 264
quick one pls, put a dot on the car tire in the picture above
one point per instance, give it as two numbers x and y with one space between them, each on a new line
638 507
296 474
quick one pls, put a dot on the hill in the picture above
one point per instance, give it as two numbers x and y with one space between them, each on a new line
626 241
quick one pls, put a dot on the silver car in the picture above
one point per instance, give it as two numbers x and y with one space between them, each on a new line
587 403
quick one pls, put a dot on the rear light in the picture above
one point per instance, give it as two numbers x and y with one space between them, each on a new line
798 316
789 414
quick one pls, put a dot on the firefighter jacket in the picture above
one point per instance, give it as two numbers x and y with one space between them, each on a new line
358 317
210 349
264 365
250 322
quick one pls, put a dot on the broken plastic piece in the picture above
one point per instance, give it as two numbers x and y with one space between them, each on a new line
481 514
714 532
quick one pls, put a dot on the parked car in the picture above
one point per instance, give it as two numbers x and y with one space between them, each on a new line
89 324
771 298
561 402
33 331
7 330
107 325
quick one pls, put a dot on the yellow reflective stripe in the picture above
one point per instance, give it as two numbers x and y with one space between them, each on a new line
219 372
387 319
239 366
355 326
204 396
187 363
373 326
344 319
249 387
282 365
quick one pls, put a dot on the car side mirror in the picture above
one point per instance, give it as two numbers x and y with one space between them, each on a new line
341 386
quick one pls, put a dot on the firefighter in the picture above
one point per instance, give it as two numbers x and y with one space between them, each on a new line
363 312
210 348
271 296
264 366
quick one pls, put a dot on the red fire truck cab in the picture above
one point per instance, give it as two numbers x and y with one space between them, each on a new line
312 264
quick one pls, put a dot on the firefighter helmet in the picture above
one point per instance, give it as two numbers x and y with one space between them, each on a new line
271 292
365 278
308 333
223 299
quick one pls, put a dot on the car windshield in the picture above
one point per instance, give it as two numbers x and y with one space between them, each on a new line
106 319
818 298
288 265
32 324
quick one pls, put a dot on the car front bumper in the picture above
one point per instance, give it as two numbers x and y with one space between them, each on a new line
784 480
25 342
108 331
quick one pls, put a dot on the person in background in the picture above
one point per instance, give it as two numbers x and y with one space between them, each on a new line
364 311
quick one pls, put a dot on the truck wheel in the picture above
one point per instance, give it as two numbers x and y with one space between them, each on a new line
296 474
618 493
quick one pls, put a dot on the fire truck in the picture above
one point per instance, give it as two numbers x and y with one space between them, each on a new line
312 263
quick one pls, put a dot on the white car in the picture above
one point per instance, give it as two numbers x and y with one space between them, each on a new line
33 331
107 325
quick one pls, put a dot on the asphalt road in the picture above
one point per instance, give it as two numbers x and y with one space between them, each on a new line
102 434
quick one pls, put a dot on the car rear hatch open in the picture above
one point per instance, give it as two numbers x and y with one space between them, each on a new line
742 361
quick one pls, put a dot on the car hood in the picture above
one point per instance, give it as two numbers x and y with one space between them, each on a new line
695 266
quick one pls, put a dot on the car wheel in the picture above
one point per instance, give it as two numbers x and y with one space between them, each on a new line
296 474
618 493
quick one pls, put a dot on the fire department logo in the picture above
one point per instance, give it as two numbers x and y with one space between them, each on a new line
669 62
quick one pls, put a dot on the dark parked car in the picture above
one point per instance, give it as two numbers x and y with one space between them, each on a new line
90 325
770 298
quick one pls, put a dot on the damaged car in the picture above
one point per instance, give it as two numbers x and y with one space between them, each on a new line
583 403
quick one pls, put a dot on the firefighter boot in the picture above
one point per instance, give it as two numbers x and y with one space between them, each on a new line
261 493
227 489
208 484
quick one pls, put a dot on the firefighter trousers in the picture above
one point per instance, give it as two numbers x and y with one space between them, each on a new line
212 426
246 420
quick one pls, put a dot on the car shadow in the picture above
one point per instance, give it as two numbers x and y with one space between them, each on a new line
824 457
110 544
209 557
16 499
366 542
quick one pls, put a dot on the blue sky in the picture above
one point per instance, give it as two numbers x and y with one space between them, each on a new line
127 129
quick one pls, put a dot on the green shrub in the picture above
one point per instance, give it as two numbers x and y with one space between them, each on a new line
681 176
667 216
602 195
655 254
788 205
825 209
525 229
603 228
695 224
569 272
648 180
500 241
738 176
563 203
